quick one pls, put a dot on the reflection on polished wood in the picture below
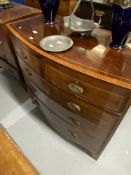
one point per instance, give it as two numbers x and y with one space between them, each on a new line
89 55
84 92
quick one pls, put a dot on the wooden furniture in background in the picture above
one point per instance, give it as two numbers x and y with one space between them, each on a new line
83 92
32 3
8 59
65 8
12 160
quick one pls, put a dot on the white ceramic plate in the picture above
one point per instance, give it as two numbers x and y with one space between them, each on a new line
56 43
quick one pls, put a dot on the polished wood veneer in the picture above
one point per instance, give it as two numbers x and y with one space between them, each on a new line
7 55
84 92
90 55
12 160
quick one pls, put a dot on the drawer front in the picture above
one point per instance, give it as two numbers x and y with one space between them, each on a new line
30 57
74 120
105 96
10 69
91 145
7 55
94 115
31 75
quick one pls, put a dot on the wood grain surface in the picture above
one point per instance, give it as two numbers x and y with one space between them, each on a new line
89 55
18 11
12 160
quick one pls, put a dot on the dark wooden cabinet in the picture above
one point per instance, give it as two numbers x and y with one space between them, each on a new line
8 58
83 92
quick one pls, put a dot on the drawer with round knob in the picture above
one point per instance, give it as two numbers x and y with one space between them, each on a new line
29 57
29 74
92 145
86 124
101 94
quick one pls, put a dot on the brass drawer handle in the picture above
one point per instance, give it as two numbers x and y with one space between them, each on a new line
75 88
1 68
74 135
5 58
34 101
10 71
73 106
29 73
25 57
77 123
33 89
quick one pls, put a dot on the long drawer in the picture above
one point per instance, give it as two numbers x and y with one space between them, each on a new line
91 145
28 72
106 96
105 121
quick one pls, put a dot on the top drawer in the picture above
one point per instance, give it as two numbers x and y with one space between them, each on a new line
28 56
102 94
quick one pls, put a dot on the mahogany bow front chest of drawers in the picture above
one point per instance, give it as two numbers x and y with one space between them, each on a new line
84 92
8 59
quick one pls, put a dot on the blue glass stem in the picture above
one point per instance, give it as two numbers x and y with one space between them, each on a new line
121 26
50 9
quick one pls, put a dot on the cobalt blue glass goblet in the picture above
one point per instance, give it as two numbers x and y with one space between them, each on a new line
121 26
50 9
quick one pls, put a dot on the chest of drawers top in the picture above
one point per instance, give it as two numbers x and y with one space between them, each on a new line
18 11
89 55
